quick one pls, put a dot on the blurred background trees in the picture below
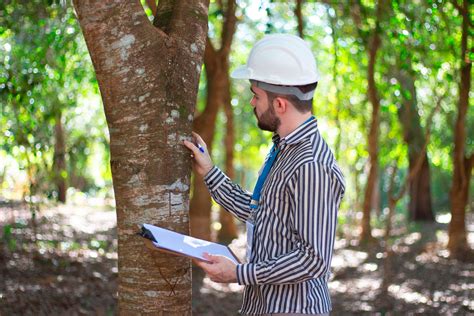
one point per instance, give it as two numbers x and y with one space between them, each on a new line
395 103
53 129
385 65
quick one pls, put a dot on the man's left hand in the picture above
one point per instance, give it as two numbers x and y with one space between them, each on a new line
220 269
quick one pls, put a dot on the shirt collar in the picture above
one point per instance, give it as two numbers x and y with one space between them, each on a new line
303 131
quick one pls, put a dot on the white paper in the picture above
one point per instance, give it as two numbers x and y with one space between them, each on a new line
187 245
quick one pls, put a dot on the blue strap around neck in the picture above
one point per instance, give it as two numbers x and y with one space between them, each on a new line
261 178
266 170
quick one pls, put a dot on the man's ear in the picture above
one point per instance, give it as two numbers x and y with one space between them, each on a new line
280 105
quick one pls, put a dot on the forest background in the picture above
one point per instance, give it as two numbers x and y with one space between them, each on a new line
394 103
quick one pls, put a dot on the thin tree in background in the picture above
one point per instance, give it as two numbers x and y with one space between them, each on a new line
419 187
148 75
405 28
462 163
395 197
59 160
228 230
299 16
218 94
32 91
372 43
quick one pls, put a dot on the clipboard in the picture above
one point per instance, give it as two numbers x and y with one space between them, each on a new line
168 241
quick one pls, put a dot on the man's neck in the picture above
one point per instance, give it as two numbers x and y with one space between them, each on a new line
287 126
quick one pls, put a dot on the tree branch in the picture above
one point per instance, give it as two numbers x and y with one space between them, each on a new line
112 30
220 5
186 12
163 14
210 56
228 28
299 17
464 11
458 7
129 13
356 17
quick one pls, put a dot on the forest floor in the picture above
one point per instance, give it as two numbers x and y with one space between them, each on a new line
71 269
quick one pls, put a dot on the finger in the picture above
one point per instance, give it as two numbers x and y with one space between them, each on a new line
209 257
191 147
203 260
199 139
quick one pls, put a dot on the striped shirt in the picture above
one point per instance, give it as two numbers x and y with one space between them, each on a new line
295 226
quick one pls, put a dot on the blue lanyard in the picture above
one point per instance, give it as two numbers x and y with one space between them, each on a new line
261 178
266 170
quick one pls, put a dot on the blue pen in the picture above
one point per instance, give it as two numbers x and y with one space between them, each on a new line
201 149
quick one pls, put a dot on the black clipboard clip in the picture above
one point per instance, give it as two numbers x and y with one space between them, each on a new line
146 234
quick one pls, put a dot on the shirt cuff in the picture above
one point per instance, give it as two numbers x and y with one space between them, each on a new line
246 274
214 178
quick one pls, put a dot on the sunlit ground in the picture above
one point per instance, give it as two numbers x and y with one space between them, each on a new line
65 264
72 268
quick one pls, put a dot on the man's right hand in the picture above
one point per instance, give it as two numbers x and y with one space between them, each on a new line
202 160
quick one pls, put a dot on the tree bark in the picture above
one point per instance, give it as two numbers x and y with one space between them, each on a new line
463 165
218 93
419 187
148 78
59 160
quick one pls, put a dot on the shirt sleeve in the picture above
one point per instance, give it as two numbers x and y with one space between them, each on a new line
229 195
317 192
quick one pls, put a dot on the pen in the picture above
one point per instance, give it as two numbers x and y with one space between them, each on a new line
201 149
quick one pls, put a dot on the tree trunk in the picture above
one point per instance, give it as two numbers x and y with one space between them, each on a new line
218 93
148 77
463 165
419 187
59 160
420 206
228 230
376 205
373 47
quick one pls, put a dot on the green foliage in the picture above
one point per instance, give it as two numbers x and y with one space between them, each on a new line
44 71
8 235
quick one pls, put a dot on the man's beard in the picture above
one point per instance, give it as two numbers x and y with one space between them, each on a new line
268 121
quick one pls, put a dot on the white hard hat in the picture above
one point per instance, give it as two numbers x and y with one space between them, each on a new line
280 59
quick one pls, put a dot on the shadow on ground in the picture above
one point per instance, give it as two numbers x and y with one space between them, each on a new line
71 269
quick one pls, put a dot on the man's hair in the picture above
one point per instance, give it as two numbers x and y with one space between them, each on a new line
301 106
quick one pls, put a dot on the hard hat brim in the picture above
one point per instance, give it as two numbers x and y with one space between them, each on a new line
241 72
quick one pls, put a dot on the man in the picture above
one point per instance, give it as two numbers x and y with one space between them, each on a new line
291 215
